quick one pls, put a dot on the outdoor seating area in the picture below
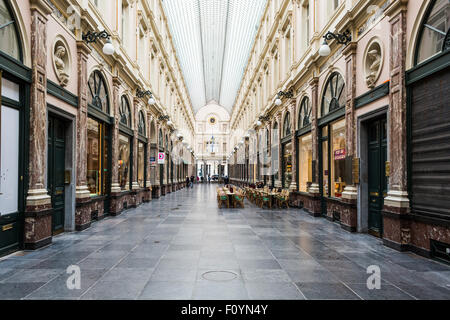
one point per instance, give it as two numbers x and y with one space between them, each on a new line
231 197
266 197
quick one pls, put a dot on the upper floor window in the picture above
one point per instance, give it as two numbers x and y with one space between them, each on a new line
9 40
334 94
287 125
304 115
98 91
141 125
434 34
124 112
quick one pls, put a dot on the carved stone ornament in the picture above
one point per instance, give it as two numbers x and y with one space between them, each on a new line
373 60
61 61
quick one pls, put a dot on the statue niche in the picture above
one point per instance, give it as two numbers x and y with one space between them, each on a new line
373 61
61 63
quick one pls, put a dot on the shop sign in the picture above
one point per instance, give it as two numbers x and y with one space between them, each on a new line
161 157
339 154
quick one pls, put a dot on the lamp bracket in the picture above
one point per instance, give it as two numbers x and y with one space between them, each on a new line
341 38
91 37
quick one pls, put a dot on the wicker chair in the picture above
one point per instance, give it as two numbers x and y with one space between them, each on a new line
222 198
283 199
239 199
266 200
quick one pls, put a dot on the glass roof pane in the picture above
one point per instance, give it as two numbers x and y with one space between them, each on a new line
213 39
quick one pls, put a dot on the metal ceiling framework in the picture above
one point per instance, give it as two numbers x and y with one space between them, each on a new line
213 39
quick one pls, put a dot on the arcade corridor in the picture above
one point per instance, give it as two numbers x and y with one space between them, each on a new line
172 247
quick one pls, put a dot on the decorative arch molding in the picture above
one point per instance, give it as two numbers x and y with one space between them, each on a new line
414 38
332 73
304 112
22 31
107 85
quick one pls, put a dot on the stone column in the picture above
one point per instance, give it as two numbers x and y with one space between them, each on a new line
314 188
350 191
115 186
38 212
396 231
148 182
349 215
292 111
314 205
278 183
269 155
135 121
82 194
157 176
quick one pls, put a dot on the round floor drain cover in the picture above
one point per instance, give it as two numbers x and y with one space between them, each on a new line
219 275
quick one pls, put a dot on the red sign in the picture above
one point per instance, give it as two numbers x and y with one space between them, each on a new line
339 154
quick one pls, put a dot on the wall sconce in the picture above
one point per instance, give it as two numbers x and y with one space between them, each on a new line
288 94
142 94
341 38
166 118
91 37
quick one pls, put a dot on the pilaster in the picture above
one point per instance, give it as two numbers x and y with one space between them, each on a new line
38 215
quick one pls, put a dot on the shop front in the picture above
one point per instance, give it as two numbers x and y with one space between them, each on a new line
287 152
302 198
14 113
332 148
98 149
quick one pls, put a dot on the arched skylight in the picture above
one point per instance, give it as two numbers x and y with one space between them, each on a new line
213 39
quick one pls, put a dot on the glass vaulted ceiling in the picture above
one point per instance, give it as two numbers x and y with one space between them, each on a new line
213 39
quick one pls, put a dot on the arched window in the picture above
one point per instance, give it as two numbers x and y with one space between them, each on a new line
161 139
334 94
98 92
124 112
304 115
141 124
434 36
9 39
287 125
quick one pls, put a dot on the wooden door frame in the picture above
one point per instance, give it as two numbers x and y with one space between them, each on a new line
362 153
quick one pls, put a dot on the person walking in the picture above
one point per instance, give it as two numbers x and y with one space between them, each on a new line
192 181
187 182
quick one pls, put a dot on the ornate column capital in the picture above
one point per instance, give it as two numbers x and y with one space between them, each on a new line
42 6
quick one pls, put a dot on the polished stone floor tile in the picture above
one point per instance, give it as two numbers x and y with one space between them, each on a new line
273 291
326 291
167 290
173 247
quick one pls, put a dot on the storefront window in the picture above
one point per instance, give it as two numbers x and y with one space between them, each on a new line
305 162
97 151
124 162
338 154
287 161
141 165
9 41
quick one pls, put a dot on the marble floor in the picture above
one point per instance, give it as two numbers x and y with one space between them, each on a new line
182 246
